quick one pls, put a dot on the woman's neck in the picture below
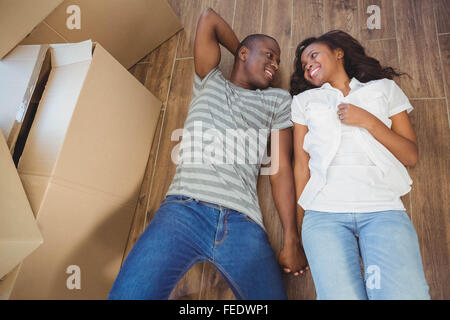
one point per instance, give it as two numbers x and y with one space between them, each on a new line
342 83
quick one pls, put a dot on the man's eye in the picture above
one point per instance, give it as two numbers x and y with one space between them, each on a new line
269 55
314 55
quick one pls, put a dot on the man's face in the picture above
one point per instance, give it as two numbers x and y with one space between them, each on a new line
262 62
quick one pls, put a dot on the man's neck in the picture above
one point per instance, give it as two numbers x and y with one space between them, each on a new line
237 79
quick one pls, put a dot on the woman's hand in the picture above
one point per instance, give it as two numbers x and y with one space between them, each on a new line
352 115
292 258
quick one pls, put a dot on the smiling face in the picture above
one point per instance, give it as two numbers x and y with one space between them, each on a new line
320 64
262 62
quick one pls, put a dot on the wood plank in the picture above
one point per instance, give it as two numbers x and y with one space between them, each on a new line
385 51
418 49
430 193
277 24
160 63
214 286
225 8
247 18
188 11
387 22
342 15
442 11
444 44
307 20
139 71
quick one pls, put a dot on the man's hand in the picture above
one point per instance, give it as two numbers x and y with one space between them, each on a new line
293 259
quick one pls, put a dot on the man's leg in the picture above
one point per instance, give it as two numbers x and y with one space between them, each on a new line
242 253
172 243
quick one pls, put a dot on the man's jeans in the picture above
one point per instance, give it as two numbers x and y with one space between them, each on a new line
185 231
387 243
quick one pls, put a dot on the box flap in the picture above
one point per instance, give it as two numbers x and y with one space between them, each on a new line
113 125
129 30
19 17
19 234
19 72
70 65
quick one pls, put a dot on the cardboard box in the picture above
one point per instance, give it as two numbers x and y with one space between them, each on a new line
19 17
128 29
82 169
19 74
19 233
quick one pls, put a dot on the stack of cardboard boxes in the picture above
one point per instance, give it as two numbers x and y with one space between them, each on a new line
85 125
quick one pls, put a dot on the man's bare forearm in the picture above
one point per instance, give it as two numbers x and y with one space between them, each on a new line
222 30
283 192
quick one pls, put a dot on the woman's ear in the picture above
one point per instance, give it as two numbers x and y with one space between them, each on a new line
339 53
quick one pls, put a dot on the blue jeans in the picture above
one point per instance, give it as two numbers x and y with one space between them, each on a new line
185 231
387 243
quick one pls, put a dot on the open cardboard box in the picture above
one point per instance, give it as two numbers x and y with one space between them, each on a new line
82 169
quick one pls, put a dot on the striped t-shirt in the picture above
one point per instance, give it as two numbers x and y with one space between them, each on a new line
225 140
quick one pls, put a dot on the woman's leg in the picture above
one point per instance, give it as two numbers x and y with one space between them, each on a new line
391 256
332 251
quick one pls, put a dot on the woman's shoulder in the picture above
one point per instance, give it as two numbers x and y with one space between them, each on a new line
307 94
381 83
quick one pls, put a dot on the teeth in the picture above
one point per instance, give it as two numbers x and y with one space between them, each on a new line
271 75
314 71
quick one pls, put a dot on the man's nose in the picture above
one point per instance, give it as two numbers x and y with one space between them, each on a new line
275 65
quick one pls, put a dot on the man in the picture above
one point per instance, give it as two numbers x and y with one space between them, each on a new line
211 212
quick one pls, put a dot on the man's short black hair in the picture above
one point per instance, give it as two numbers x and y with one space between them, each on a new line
250 41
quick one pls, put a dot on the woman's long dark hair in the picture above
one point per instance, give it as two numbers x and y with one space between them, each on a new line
356 62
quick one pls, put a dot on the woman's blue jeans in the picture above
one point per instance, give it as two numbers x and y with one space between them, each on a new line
387 243
185 231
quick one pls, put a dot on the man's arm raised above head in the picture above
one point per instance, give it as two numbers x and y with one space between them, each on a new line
212 30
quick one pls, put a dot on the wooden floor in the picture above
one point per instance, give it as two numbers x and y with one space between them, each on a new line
414 37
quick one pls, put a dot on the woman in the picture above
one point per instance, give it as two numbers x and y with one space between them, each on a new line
352 139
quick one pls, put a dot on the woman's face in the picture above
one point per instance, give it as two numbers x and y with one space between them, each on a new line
320 64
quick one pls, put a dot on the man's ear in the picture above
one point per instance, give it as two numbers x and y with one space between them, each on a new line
243 53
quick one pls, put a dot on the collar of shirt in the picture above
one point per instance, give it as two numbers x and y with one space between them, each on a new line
354 84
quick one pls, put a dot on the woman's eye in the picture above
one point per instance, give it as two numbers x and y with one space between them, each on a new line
314 55
269 55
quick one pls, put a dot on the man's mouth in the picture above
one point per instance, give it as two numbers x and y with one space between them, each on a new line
270 73
313 72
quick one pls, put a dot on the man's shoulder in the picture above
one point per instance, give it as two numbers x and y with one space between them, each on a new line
278 94
214 74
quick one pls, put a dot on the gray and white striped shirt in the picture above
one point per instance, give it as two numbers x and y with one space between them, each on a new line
225 140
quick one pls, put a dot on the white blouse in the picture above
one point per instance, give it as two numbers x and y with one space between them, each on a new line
352 181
